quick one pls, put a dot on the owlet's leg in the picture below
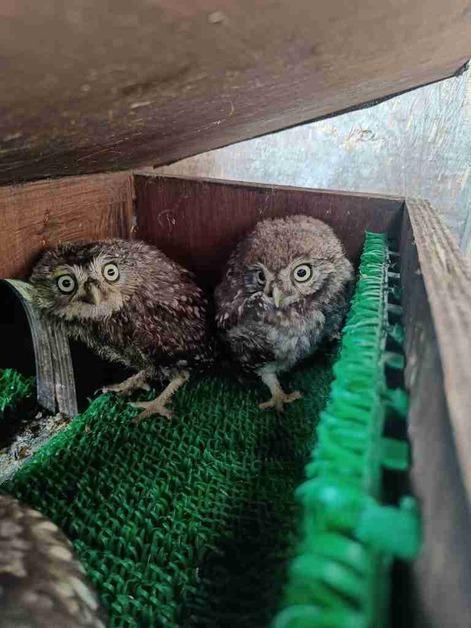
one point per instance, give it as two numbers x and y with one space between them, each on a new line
135 382
278 396
158 405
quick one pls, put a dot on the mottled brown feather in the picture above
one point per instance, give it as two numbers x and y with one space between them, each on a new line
258 333
154 316
42 584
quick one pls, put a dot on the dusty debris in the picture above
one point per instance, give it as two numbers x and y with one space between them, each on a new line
31 435
217 17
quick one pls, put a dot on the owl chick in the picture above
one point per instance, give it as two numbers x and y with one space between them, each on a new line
284 290
41 583
131 305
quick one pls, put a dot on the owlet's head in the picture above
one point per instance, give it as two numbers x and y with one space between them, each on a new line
293 259
85 281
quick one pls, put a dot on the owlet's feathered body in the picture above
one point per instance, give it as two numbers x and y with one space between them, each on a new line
130 304
284 290
41 582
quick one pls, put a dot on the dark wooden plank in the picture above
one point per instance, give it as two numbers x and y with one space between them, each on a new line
407 146
198 222
37 215
447 278
91 86
435 290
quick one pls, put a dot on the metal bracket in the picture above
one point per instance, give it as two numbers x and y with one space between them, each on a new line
55 381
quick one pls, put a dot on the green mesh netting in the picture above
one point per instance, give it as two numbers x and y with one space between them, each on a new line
14 390
182 522
192 522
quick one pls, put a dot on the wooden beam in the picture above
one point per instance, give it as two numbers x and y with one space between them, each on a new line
37 215
89 87
447 278
198 222
437 312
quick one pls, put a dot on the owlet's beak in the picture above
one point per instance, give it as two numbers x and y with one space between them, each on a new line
277 296
92 294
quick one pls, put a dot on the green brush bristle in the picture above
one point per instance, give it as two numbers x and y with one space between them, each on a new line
340 576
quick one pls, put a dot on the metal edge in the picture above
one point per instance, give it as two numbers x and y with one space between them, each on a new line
55 381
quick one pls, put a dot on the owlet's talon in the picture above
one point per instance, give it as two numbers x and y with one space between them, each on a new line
159 404
131 305
294 396
284 291
278 396
151 408
279 400
135 382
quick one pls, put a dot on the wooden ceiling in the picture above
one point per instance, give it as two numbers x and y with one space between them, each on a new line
97 85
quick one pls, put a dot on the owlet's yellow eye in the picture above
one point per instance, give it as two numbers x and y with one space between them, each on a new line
66 283
302 273
110 272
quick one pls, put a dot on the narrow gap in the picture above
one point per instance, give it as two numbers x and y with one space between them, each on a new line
17 350
397 483
17 353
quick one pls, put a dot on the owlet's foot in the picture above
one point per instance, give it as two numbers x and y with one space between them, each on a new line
159 404
151 408
278 396
135 382
279 400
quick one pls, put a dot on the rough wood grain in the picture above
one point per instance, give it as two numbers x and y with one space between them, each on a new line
43 357
37 215
87 86
447 278
64 375
417 144
55 383
442 573
198 222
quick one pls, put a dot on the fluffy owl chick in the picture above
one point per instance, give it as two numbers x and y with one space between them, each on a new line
41 582
284 290
131 305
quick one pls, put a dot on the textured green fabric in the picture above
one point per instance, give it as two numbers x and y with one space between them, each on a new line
183 522
14 389
192 522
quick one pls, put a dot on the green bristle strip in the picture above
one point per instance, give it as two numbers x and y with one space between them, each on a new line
340 576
